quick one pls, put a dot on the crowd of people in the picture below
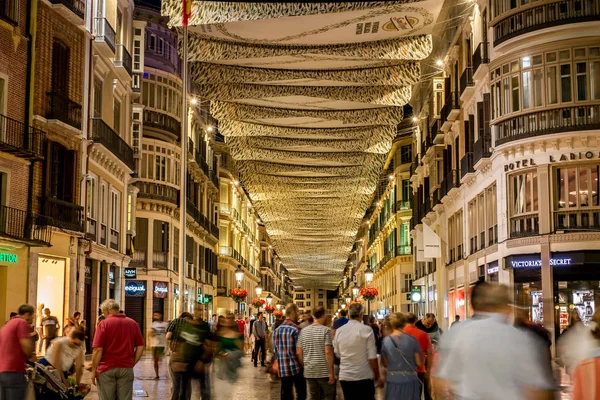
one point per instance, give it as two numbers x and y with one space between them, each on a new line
496 354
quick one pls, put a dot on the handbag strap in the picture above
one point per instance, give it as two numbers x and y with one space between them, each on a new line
402 355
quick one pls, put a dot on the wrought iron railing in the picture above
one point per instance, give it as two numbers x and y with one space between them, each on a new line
139 258
480 56
160 259
481 148
466 79
524 225
579 219
157 191
105 33
123 59
159 120
76 6
106 136
23 226
466 165
21 140
63 214
64 109
546 122
545 16
449 182
452 103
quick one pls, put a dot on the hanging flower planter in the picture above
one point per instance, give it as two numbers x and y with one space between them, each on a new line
258 302
278 314
239 295
369 293
270 309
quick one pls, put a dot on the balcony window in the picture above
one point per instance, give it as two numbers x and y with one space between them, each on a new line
523 200
115 227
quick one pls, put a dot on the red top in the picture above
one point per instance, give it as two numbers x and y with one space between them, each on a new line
13 359
424 342
118 336
241 326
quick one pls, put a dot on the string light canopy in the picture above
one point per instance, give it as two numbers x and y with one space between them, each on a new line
308 97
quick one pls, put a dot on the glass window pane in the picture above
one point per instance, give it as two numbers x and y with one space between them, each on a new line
572 186
560 183
527 93
515 93
538 77
565 82
595 80
551 85
584 190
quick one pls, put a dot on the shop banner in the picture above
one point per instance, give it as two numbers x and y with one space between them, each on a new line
420 248
130 273
160 290
135 288
432 243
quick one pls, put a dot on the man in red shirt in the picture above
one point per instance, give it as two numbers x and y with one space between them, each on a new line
425 345
241 324
118 346
15 347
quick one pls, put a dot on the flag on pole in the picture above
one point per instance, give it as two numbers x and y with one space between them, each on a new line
187 11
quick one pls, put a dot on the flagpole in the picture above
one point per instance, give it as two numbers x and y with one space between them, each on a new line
183 177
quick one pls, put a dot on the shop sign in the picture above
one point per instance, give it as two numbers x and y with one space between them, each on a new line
130 273
208 298
588 155
492 270
88 274
554 262
161 289
415 294
135 288
200 297
8 258
111 277
519 164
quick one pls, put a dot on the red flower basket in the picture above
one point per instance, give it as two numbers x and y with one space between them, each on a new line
369 293
278 314
239 295
258 302
270 309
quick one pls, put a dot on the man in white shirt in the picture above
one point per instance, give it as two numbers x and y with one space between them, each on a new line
158 341
487 358
354 344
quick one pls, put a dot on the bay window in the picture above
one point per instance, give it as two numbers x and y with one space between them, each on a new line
523 206
577 205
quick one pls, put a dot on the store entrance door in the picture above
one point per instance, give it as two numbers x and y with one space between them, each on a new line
134 309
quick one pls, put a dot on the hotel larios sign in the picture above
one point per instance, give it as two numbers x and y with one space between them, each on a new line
552 158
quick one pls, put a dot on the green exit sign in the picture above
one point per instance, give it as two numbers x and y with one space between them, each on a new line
8 258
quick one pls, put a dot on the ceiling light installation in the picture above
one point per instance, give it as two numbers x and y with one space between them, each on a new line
308 96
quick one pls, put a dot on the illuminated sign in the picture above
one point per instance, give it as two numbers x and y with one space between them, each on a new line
135 288
130 273
8 258
588 155
161 289
554 262
415 294
519 164
493 270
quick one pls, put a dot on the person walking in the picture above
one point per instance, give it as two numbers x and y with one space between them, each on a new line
426 353
15 348
259 330
285 339
241 323
376 333
66 354
229 351
40 328
354 344
315 353
456 321
193 355
430 326
339 322
158 340
401 355
118 346
50 327
482 358
174 341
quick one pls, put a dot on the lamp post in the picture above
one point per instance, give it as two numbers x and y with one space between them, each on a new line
239 276
355 290
369 279
269 301
348 299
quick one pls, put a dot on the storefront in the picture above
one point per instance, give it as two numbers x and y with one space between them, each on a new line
159 294
51 285
135 301
176 310
13 280
492 270
576 285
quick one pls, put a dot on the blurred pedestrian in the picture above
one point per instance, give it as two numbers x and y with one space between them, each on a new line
386 329
456 321
69 326
260 330
306 320
174 342
118 346
229 345
15 349
376 333
575 344
487 358
586 377
354 344
285 340
51 326
426 353
339 322
65 354
328 320
315 353
158 341
401 355
83 327
40 329
430 326
241 323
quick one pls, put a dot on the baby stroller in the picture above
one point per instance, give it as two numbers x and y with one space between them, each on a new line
48 386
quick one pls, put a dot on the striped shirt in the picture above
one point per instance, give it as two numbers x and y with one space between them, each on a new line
313 340
284 349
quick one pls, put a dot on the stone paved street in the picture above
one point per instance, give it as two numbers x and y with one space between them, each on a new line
253 384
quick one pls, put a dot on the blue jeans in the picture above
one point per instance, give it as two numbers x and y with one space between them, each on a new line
13 385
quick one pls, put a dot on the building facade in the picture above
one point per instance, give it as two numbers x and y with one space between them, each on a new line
309 299
152 283
508 158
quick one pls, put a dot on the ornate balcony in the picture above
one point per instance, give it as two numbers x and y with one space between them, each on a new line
546 122
164 122
106 136
63 214
20 140
545 16
74 7
466 80
64 109
466 165
24 227
577 220
105 33
481 149
157 191
450 111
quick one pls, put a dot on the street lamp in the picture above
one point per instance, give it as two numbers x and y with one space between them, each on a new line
278 306
355 290
258 291
269 299
348 299
239 275
369 275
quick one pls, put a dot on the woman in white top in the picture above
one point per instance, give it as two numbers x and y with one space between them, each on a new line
64 353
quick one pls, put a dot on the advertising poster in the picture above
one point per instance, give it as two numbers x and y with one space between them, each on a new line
583 302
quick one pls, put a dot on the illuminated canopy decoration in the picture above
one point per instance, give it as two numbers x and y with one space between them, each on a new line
308 96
